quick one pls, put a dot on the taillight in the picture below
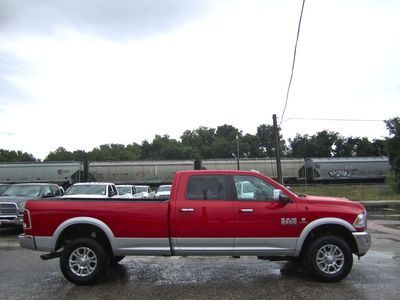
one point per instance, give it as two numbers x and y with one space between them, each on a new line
27 219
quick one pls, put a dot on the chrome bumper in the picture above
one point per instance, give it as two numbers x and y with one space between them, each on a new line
363 240
27 241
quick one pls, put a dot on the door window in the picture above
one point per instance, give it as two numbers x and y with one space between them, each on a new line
253 188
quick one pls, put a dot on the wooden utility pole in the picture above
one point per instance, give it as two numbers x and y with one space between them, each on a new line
277 150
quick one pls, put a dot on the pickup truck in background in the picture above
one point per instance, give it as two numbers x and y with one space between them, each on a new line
92 190
226 213
12 200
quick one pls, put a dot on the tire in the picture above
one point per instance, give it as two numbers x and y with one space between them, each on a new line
329 258
84 261
116 259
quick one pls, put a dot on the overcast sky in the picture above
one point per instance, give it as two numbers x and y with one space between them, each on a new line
81 73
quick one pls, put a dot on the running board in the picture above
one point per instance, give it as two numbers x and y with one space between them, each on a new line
50 255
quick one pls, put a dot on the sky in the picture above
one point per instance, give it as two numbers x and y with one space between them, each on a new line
79 74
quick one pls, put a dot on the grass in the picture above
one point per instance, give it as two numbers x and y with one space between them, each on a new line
350 191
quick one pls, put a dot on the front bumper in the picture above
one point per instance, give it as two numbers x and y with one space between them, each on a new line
27 241
363 240
11 220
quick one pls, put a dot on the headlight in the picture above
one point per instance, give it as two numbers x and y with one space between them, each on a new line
361 221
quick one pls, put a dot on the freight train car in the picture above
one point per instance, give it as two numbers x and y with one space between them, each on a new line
62 173
138 172
345 169
290 167
159 172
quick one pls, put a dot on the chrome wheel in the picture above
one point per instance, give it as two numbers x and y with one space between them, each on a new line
330 259
82 261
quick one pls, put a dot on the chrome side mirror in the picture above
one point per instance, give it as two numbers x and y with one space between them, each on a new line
279 196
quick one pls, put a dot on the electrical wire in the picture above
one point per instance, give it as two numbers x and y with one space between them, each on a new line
294 61
340 120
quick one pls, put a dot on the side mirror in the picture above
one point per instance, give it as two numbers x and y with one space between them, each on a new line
279 196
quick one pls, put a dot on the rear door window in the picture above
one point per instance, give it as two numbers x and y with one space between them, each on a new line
208 187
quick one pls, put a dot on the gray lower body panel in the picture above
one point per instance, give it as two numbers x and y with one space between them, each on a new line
142 246
183 246
234 246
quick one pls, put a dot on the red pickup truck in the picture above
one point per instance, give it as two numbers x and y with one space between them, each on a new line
230 213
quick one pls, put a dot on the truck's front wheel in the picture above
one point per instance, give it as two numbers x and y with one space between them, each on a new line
329 258
83 261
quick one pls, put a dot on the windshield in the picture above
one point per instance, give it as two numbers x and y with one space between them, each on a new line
3 188
87 189
123 190
23 191
164 188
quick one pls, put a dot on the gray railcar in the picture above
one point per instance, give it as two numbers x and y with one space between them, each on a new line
290 167
52 172
138 172
346 168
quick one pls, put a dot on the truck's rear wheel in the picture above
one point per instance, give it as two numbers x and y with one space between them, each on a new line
83 261
329 258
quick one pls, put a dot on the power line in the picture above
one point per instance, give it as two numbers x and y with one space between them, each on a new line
294 61
339 120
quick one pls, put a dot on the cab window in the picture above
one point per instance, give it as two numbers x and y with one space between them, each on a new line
207 187
253 188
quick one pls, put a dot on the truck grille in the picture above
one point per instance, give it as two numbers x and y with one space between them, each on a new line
7 209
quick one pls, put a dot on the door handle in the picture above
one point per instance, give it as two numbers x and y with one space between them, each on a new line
246 210
187 209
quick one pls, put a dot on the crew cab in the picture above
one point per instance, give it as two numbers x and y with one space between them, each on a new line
205 215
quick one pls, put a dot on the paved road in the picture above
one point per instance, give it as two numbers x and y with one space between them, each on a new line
376 276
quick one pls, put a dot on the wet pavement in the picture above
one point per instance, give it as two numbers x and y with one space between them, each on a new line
23 275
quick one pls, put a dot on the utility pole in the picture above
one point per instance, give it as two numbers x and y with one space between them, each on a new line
277 150
237 151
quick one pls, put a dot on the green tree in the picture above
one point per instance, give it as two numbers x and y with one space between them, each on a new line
60 154
393 145
249 147
165 148
200 140
224 145
16 156
301 146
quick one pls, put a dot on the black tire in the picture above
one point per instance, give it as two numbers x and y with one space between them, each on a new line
116 259
84 261
329 258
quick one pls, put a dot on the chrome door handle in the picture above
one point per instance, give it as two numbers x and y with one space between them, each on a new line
246 210
187 209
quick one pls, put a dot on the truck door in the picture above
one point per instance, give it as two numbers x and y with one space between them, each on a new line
263 226
203 221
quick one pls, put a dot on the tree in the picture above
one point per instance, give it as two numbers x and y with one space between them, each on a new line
393 145
200 140
249 147
16 156
324 142
301 146
60 154
266 141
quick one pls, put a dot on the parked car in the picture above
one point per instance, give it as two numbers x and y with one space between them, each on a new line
126 190
163 192
3 187
91 190
143 191
12 201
